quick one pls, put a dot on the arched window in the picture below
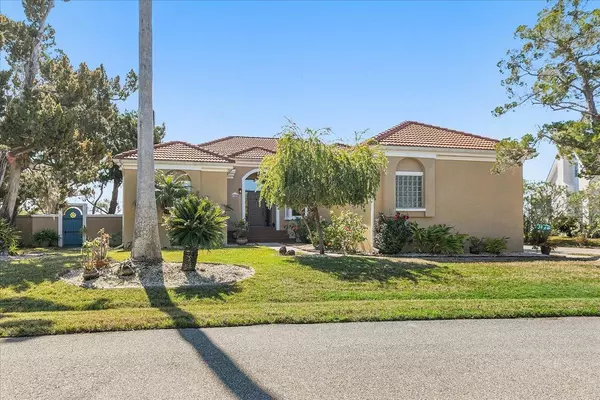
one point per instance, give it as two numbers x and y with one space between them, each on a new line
183 177
409 185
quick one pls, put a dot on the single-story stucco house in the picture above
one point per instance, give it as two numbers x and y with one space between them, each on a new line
435 175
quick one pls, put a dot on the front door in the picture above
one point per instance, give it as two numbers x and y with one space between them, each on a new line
257 210
72 224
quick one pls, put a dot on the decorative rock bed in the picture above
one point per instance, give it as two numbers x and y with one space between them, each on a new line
170 276
6 257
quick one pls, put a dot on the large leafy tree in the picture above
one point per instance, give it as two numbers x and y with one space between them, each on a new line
558 67
53 116
122 136
307 172
146 242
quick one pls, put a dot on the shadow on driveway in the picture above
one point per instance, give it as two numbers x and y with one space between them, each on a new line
232 376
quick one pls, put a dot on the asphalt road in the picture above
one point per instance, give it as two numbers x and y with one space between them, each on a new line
480 359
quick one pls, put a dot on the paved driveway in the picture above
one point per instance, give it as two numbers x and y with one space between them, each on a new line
569 250
493 359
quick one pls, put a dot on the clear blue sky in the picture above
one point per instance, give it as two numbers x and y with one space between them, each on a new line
240 68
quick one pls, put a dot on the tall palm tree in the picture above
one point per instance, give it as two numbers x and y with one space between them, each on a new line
146 242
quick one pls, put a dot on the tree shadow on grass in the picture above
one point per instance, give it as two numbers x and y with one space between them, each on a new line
509 260
26 329
213 292
230 374
20 275
365 269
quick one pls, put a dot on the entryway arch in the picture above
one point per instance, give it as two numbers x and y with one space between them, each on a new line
244 196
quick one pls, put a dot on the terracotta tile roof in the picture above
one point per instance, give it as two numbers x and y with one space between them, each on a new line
417 134
230 145
178 151
255 152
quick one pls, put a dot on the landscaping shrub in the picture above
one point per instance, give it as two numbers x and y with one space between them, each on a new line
95 253
495 245
45 238
345 232
438 239
300 230
567 225
392 233
116 239
476 245
195 223
539 235
315 235
303 231
9 238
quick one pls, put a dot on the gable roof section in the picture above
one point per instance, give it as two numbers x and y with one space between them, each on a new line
255 152
178 151
236 146
417 134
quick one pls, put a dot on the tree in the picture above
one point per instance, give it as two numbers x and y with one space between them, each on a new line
584 206
146 242
122 136
558 67
169 189
306 172
24 44
53 116
543 204
195 223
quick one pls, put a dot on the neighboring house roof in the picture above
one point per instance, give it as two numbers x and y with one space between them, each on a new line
178 151
417 134
236 146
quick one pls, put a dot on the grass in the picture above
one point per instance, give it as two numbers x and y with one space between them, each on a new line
303 289
563 241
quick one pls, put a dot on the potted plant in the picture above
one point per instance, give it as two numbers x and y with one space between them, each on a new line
476 245
241 232
88 261
195 223
539 238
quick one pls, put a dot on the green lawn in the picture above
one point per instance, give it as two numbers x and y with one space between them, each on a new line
563 241
297 290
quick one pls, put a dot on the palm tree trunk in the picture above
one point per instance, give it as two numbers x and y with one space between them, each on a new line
190 259
146 242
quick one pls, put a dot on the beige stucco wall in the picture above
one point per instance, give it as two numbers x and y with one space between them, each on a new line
210 184
28 225
463 194
466 195
112 224
44 222
24 225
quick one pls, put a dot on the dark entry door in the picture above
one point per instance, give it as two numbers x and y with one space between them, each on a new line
72 224
257 211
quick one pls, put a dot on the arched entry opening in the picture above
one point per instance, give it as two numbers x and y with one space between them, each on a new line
254 211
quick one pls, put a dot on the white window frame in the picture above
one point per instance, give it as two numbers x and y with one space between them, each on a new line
287 214
410 173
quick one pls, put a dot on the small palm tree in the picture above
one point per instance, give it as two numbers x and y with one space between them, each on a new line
168 189
195 223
